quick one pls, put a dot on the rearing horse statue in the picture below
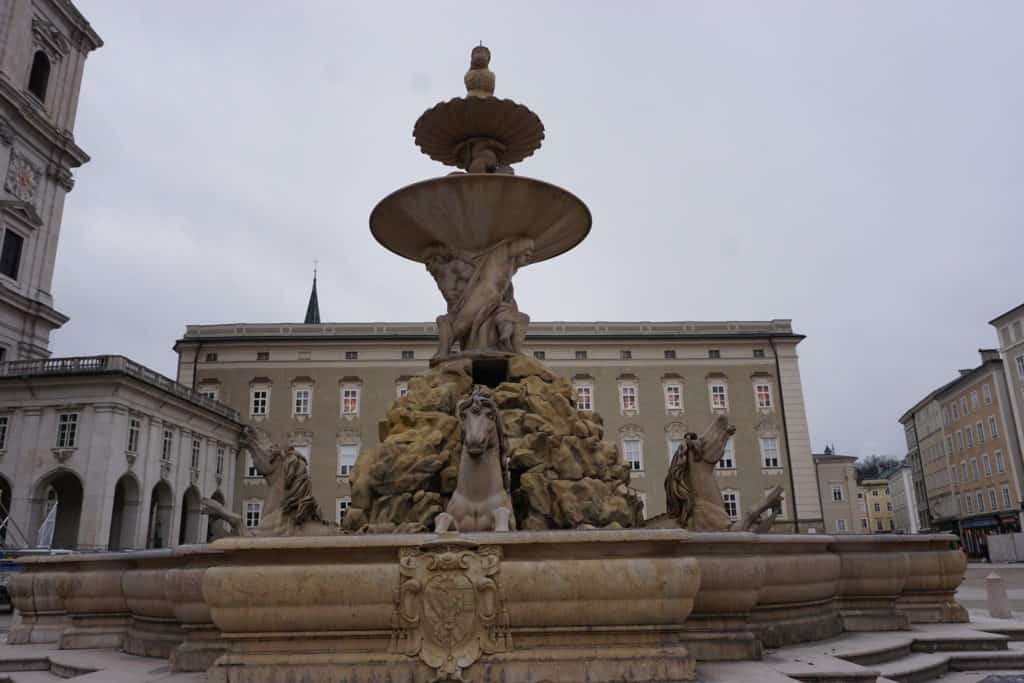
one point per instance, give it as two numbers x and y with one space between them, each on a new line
481 501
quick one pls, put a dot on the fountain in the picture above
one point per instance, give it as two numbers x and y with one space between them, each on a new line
493 534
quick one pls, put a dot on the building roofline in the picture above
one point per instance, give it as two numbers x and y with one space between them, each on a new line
823 457
946 389
1015 309
596 330
75 16
79 366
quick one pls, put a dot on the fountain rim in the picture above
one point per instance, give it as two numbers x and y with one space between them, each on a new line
461 177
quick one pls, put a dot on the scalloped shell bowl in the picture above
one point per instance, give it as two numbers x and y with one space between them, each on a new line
443 127
475 211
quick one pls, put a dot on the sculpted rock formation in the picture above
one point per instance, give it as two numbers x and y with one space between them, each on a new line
481 501
561 474
692 495
290 509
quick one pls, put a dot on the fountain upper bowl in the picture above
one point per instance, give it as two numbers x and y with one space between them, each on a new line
472 212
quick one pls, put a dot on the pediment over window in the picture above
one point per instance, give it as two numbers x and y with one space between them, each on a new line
25 212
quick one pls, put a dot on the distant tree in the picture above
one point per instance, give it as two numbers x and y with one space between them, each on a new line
874 466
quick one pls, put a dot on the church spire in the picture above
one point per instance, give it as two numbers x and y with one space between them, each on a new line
313 308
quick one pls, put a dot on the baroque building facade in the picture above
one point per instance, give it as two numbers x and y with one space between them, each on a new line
120 455
43 48
842 499
323 388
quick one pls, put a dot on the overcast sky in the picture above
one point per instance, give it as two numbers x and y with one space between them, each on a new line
855 166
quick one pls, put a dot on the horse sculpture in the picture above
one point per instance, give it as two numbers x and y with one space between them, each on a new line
693 498
290 509
481 501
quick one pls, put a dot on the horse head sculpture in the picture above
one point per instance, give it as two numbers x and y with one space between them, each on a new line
481 501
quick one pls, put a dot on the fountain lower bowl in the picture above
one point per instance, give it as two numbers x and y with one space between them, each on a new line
470 211
603 605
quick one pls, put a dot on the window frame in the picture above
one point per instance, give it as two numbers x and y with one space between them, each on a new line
724 395
638 464
728 455
765 464
344 470
993 431
296 399
735 502
632 391
167 445
67 429
766 405
588 386
667 389
350 405
263 403
253 507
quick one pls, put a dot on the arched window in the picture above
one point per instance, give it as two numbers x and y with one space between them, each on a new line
39 76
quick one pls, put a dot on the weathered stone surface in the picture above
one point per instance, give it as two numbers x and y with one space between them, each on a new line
562 474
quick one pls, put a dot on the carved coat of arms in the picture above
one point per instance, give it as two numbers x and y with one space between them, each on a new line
449 607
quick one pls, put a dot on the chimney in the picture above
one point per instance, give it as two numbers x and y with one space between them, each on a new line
988 354
965 372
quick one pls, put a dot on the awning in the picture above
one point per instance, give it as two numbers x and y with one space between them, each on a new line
980 522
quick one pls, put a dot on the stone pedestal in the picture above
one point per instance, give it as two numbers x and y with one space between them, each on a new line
202 641
874 573
43 617
155 631
94 600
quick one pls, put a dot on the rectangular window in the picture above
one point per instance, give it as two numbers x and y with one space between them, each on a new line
253 511
263 355
888 507
732 504
134 427
840 525
10 256
963 406
956 411
949 445
539 355
168 445
728 461
344 503
963 473
758 353
959 441
969 437
211 358
627 395
979 433
863 522
220 460
974 469
670 354
209 393
981 501
1016 329
763 394
250 467
719 397
584 397
258 402
993 502
1020 366
1000 465
401 389
673 397
874 493
3 432
769 451
993 431
986 395
969 503
878 507
67 430
347 454
632 452
408 355
974 401
714 353
837 492
302 401
197 446
1006 497
625 354
351 355
349 399
581 355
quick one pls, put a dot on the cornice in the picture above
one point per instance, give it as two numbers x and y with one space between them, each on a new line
33 307
84 36
60 140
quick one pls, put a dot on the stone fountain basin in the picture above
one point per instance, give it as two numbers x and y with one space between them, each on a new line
475 211
659 598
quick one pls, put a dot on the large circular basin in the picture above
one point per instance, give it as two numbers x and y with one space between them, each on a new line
473 211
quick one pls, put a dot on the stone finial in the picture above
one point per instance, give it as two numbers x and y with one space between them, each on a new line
479 79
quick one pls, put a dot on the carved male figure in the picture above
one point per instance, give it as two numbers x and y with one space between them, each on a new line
481 500
482 311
